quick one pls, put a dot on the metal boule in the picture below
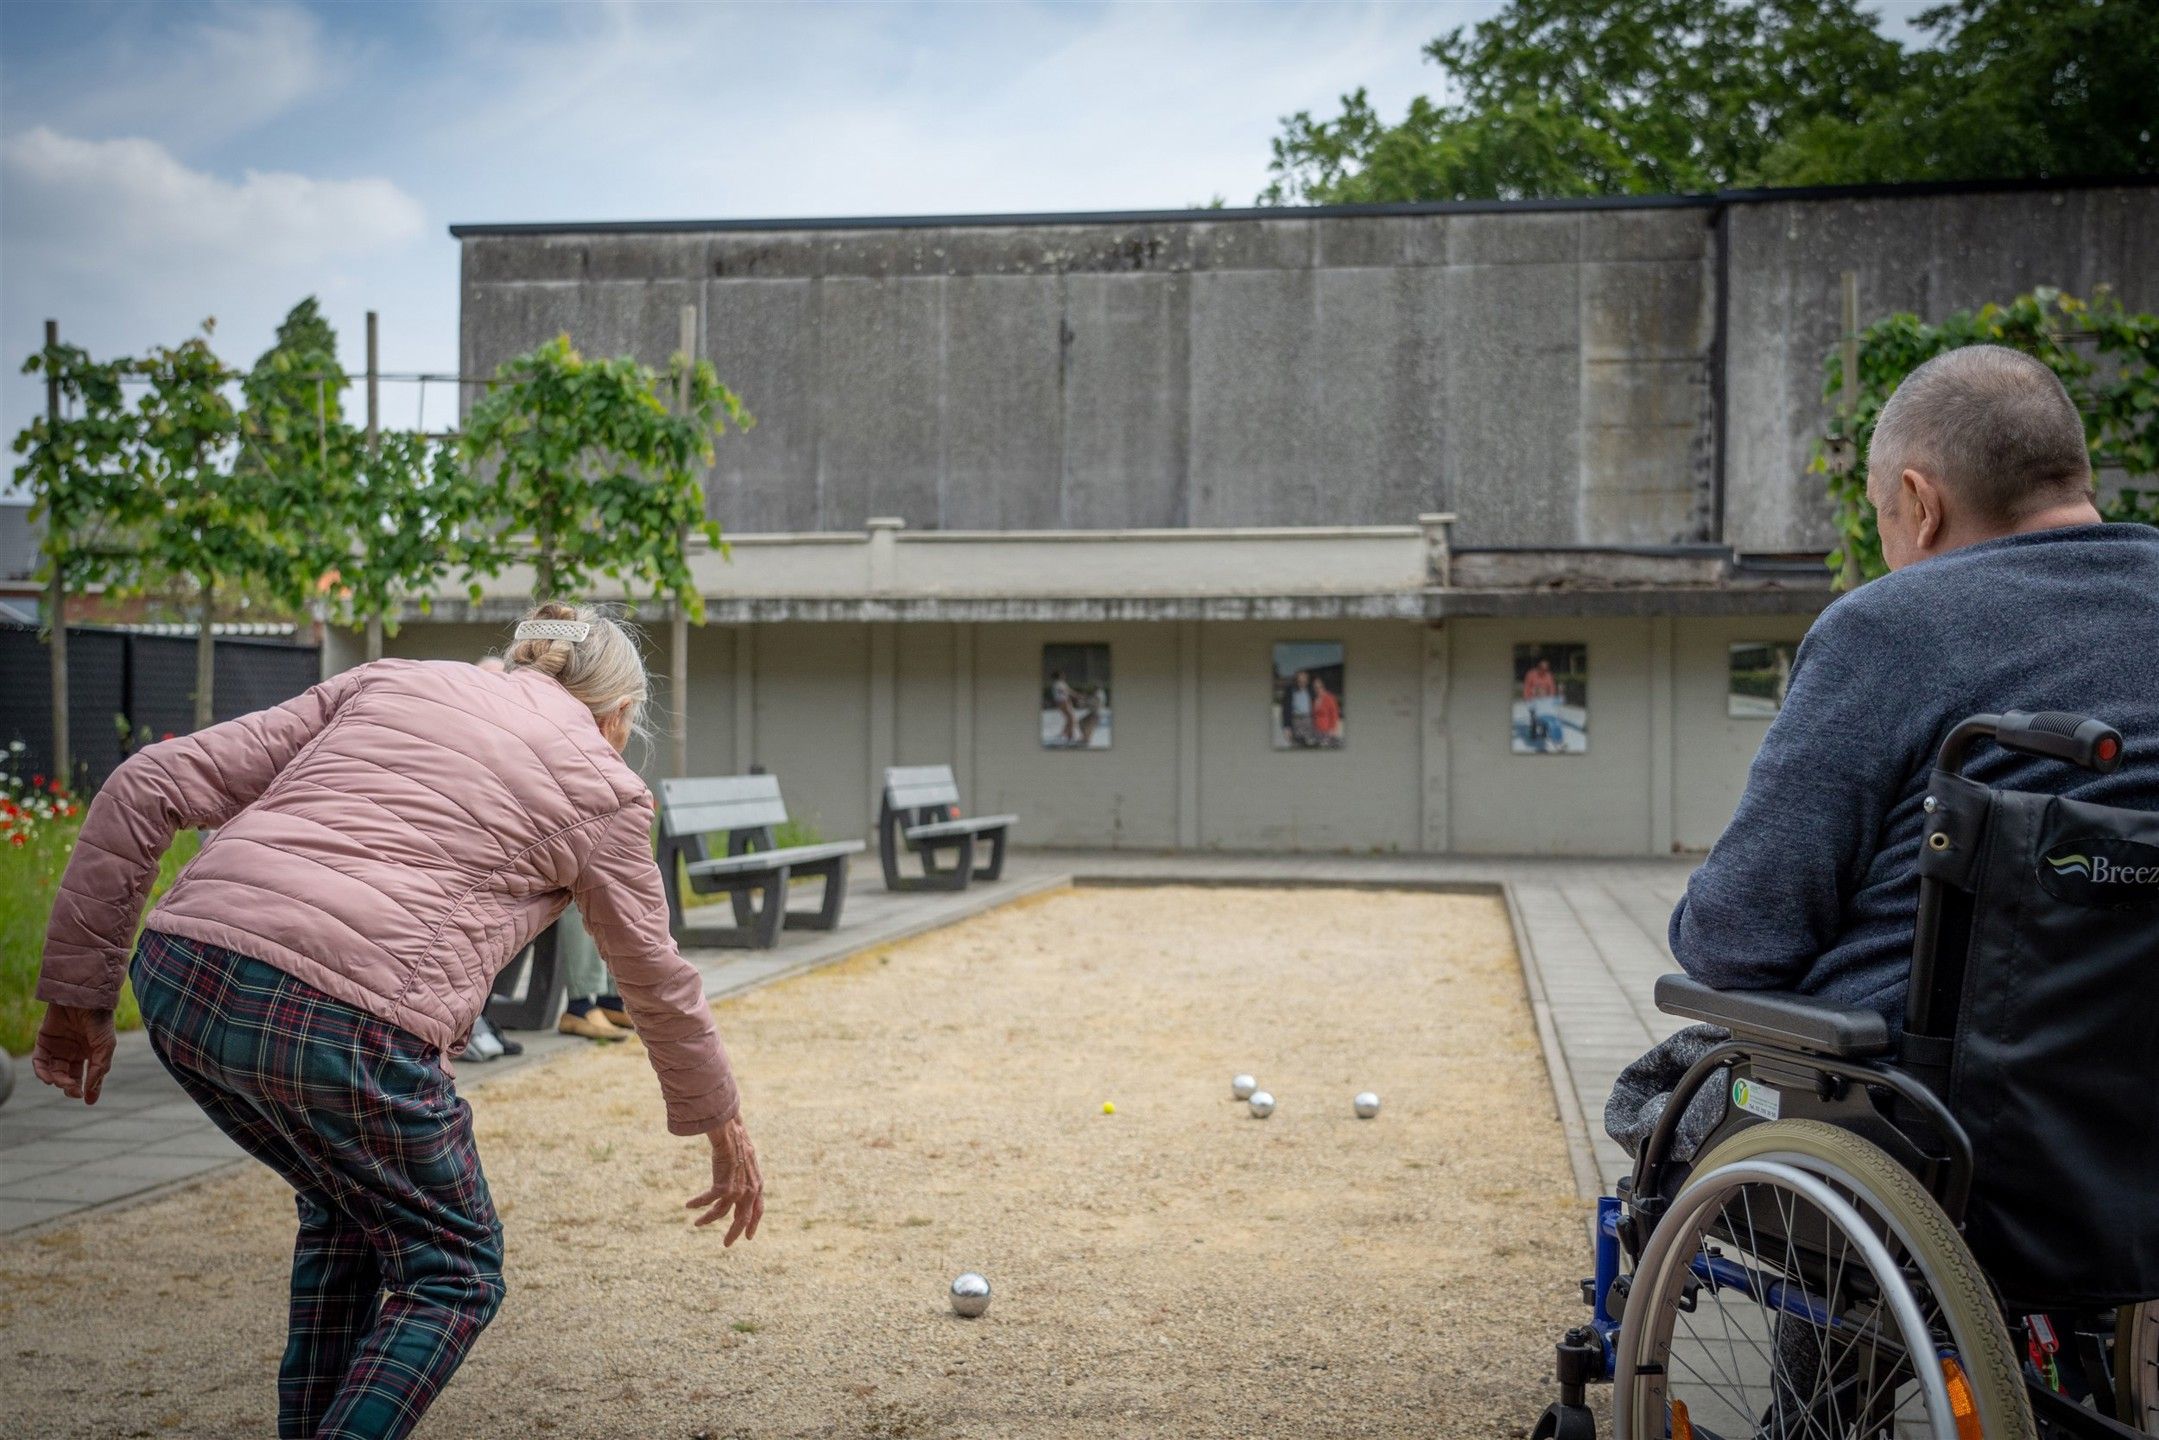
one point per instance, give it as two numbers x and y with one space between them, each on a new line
970 1295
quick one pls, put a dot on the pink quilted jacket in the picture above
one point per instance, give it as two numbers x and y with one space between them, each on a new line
394 837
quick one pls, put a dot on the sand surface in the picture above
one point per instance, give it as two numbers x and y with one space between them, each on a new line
1174 1269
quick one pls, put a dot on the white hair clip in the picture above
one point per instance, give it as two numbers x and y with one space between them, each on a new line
573 631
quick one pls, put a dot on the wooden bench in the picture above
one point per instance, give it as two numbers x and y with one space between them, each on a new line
744 808
920 812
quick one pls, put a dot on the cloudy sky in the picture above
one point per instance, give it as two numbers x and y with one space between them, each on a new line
165 162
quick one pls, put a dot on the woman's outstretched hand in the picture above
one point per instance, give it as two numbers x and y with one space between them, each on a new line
74 1050
736 1183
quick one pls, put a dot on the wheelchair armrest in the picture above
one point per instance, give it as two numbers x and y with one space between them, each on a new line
1804 1022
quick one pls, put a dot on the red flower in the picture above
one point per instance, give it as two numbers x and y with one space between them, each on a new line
17 839
38 781
58 788
166 736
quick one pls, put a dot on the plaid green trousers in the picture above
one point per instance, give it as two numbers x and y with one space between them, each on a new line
398 1265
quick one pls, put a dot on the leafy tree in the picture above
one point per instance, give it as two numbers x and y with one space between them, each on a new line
2107 358
213 523
588 469
293 398
393 524
1596 97
82 472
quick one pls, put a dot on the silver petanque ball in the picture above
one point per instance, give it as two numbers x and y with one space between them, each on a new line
1262 1104
970 1295
1367 1105
1242 1086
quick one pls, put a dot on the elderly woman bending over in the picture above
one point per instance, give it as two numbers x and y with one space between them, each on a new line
385 844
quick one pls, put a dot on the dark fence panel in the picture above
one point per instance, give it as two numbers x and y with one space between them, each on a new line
148 679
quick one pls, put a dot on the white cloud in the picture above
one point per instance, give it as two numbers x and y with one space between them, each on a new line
94 204
197 79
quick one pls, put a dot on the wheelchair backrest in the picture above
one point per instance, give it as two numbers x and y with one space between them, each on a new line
2048 961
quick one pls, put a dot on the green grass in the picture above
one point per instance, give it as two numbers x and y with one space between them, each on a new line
794 832
29 878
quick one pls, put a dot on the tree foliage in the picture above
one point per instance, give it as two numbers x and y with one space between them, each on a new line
293 398
2107 358
590 470
1595 97
83 470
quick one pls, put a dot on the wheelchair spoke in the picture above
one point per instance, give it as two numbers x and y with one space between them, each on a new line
1797 1350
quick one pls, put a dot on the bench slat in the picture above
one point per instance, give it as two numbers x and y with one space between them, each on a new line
700 805
968 825
757 860
916 787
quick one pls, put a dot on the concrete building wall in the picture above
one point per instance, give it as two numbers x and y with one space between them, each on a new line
1929 254
1427 766
1554 377
1713 748
1428 715
1542 374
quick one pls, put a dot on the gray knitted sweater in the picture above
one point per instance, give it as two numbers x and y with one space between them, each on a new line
1811 888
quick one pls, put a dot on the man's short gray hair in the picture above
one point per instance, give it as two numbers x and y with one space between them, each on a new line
1991 424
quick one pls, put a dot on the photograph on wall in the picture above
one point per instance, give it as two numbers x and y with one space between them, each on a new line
1075 697
1761 670
1551 699
1307 707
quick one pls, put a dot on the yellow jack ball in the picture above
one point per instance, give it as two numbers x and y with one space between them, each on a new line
1109 1107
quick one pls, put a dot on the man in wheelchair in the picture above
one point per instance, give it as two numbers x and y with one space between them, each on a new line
1905 1178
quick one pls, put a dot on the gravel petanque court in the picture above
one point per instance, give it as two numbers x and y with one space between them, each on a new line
1176 1268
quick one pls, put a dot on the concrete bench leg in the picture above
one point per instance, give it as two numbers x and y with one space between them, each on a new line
954 877
757 926
545 985
827 915
995 869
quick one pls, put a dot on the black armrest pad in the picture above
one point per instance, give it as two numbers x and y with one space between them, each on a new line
1806 1022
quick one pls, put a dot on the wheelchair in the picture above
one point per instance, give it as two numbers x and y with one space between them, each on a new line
1948 1232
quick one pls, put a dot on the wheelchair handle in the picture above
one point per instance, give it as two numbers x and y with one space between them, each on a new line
2079 739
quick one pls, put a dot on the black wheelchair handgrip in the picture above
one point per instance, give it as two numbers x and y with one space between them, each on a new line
2079 739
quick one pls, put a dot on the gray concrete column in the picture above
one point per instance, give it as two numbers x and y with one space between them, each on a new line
963 710
1663 698
1433 735
884 703
745 687
1188 745
341 649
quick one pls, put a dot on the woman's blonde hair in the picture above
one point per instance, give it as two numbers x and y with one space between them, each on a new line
603 669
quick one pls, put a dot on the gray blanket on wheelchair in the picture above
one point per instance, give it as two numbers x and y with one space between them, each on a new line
1643 1089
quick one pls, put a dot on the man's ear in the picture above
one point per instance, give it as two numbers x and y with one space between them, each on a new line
1924 499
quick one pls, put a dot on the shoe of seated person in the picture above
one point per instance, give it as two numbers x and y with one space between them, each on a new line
481 1045
591 1025
611 1007
488 1035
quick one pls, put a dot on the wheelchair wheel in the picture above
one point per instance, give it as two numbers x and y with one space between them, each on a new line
1804 1284
2136 1366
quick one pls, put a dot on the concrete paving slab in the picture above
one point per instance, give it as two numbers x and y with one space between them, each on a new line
24 1214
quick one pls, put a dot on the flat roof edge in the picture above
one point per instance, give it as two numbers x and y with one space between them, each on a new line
1194 215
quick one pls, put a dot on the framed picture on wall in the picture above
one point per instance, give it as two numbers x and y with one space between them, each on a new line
1075 697
1761 669
1551 700
1308 704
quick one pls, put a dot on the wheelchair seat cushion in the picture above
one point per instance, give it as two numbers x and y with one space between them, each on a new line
2055 1072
